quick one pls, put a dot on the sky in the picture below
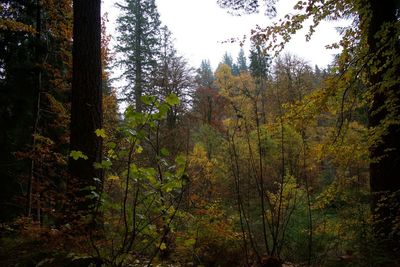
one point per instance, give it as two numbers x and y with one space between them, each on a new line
200 28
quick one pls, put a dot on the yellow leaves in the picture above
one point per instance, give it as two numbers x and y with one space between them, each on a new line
199 151
163 246
55 105
228 122
15 26
290 191
327 196
224 79
306 111
113 178
198 159
139 149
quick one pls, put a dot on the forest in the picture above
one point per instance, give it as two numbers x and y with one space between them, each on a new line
265 161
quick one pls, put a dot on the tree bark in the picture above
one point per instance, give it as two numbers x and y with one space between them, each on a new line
86 104
385 153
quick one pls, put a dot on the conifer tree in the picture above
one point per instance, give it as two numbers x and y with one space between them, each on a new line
241 61
138 28
86 103
259 62
227 60
205 76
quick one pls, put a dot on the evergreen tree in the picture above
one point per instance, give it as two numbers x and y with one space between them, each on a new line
86 103
205 76
235 70
259 62
138 27
241 61
227 60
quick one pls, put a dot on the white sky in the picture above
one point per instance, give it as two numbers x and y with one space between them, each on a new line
200 26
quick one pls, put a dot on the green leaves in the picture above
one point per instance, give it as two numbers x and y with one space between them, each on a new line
172 99
164 152
148 99
105 164
76 154
100 133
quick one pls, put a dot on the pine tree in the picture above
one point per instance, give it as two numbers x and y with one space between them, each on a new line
259 62
205 76
227 60
241 61
138 28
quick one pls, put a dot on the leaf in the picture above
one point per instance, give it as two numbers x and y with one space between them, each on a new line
172 99
113 178
100 133
106 164
148 99
163 246
164 152
162 111
190 242
180 160
139 149
111 145
76 154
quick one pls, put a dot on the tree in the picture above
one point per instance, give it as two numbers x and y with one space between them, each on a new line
227 60
86 104
371 48
241 61
379 25
138 28
259 68
295 77
18 87
205 76
207 101
260 61
35 83
248 6
173 76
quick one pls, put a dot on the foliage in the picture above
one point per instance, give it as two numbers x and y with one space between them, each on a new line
259 161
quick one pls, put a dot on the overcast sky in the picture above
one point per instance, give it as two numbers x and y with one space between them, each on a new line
200 27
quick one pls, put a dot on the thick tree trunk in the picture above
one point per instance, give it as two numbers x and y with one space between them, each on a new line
384 115
86 105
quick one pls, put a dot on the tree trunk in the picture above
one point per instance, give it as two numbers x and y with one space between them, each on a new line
86 105
384 115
